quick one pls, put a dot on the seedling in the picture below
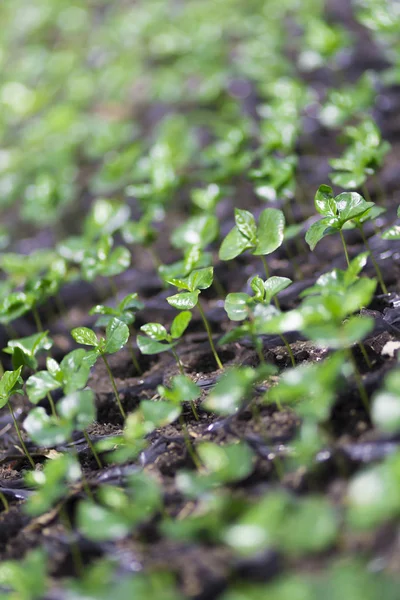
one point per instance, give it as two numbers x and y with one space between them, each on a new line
11 383
119 511
219 465
52 484
261 239
27 578
117 334
241 306
24 350
199 279
336 212
125 312
362 158
102 260
158 339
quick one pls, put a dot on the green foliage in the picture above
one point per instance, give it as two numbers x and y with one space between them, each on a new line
158 339
335 211
260 239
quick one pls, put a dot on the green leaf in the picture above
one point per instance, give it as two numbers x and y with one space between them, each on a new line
8 384
274 285
86 336
114 526
159 414
351 204
385 412
393 233
75 368
180 324
325 202
148 346
118 261
197 231
201 279
230 391
233 245
348 180
317 231
117 334
78 408
246 224
236 305
38 385
45 430
155 331
184 301
270 231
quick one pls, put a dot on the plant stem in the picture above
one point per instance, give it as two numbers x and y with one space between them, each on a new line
365 354
38 321
266 269
344 247
116 394
373 260
113 287
366 193
178 361
289 350
208 329
52 406
17 429
4 502
135 361
75 552
359 381
188 443
92 448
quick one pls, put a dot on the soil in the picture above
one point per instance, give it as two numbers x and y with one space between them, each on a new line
205 569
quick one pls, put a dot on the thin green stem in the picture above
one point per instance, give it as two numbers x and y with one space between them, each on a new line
135 361
52 405
38 321
178 361
344 247
376 266
114 387
188 443
21 441
113 287
289 350
92 448
75 552
365 354
266 269
360 385
4 502
209 333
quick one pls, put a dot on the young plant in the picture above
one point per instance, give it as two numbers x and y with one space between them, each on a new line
25 579
240 307
125 312
119 510
261 239
336 211
117 334
24 350
362 158
199 279
11 383
157 338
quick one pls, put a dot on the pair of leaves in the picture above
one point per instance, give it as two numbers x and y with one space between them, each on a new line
199 279
336 211
238 305
75 412
71 374
117 334
124 311
158 339
260 239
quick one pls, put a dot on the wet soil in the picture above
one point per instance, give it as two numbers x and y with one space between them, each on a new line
204 569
